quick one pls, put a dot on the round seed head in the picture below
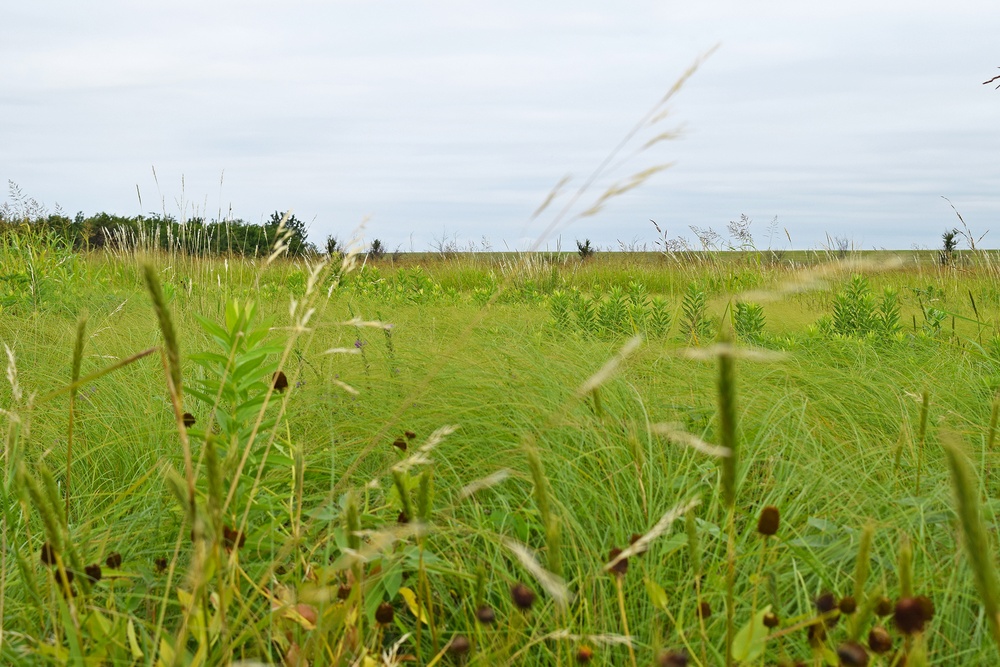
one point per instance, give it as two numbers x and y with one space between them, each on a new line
93 572
189 420
343 592
852 654
233 538
160 564
848 605
704 610
816 634
826 603
279 381
402 518
879 640
771 620
399 444
522 596
410 435
769 520
114 560
47 555
486 615
459 645
912 614
672 659
385 613
621 567
584 654
884 607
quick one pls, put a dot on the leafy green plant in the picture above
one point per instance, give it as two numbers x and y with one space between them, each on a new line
239 376
613 314
695 325
585 250
748 321
660 318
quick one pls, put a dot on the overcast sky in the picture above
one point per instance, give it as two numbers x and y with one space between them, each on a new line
454 120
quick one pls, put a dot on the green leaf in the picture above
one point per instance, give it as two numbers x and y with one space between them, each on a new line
657 595
748 643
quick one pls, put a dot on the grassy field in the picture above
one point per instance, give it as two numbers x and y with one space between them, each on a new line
465 441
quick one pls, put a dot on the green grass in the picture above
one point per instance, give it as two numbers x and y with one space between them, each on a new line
827 429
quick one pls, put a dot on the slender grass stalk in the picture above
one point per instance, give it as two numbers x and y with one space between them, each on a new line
922 435
977 542
727 439
621 610
81 328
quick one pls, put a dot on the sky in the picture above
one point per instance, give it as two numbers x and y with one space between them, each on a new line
447 122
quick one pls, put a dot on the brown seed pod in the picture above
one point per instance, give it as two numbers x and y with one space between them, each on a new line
584 654
771 620
879 640
233 538
486 615
912 614
852 654
114 560
621 567
410 435
769 520
47 555
672 659
93 572
884 607
399 444
385 613
343 592
459 645
279 381
848 605
160 564
826 603
189 420
522 596
704 610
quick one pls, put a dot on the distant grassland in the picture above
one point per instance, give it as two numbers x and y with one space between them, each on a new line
450 489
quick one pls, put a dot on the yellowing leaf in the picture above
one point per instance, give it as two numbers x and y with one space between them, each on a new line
133 643
411 601
656 594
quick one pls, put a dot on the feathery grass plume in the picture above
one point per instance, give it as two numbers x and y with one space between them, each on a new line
399 480
552 583
641 545
553 532
922 436
977 542
352 523
81 329
50 515
609 367
425 495
862 562
694 544
483 483
216 490
166 327
675 433
905 567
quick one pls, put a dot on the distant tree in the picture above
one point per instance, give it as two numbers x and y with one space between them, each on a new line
377 250
297 244
949 241
332 245
584 249
992 80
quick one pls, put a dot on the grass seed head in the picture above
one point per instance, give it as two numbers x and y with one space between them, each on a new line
767 524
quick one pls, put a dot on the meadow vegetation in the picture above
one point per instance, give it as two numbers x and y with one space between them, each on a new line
660 458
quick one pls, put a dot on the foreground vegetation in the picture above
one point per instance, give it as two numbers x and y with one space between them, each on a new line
542 460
